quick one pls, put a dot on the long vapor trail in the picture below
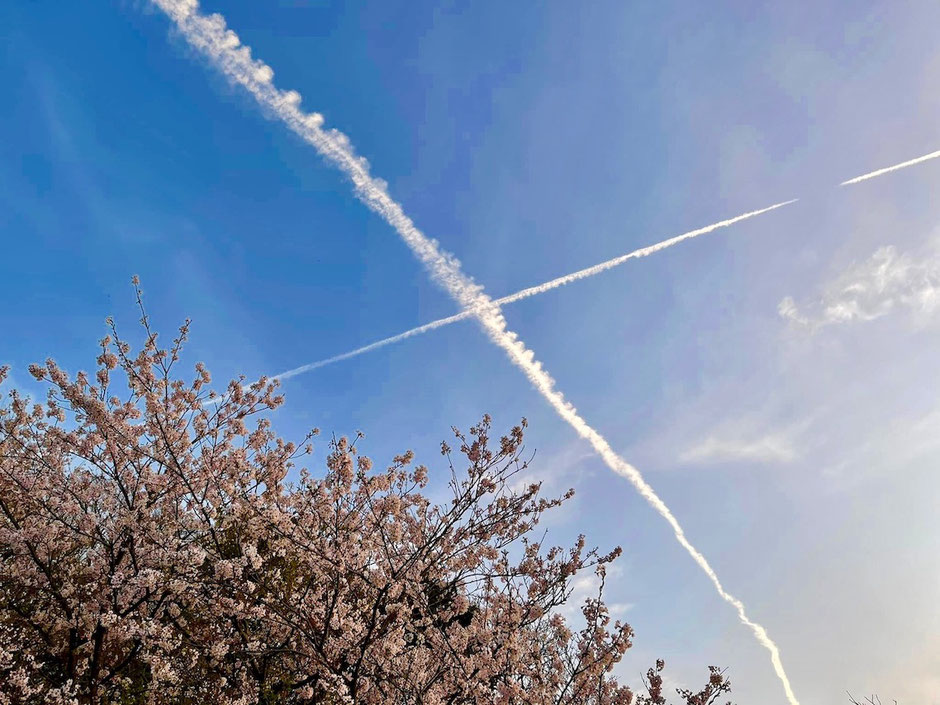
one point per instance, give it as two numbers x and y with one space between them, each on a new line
210 35
584 273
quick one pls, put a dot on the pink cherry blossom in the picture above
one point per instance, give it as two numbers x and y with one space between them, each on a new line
153 551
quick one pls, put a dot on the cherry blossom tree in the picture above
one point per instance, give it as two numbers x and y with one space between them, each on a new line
159 544
718 685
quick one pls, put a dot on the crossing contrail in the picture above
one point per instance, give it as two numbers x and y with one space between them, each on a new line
531 291
584 273
210 35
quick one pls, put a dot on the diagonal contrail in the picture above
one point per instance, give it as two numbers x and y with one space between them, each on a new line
531 291
210 35
584 273
378 344
642 252
888 169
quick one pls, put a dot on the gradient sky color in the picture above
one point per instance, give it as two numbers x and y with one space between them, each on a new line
532 141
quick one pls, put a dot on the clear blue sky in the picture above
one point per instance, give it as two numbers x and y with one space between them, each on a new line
532 139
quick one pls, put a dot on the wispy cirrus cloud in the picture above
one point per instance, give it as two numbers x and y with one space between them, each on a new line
770 448
895 446
887 281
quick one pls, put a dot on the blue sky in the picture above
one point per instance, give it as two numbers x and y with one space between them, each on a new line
532 141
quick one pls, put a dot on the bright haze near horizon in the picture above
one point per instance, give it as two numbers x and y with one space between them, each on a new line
776 381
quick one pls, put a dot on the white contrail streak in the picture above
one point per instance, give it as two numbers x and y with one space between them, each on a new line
209 35
310 366
531 291
887 169
584 273
378 344
642 252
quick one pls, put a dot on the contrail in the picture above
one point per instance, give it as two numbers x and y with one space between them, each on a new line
378 344
287 374
209 35
531 291
642 252
584 273
902 165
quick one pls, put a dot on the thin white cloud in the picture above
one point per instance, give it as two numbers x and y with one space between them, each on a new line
210 35
559 469
584 587
787 309
886 282
889 448
771 448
